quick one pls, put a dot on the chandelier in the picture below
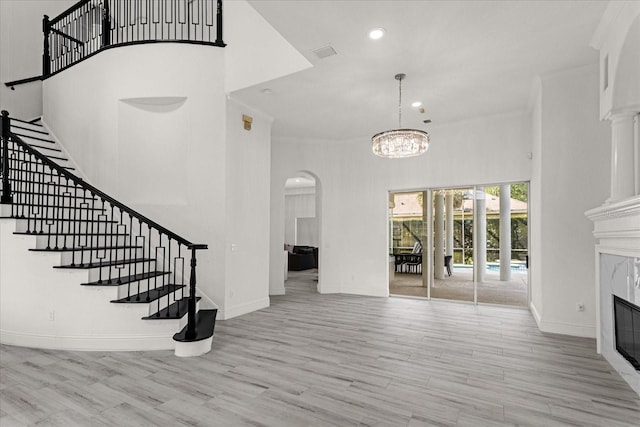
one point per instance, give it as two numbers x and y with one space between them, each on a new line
398 143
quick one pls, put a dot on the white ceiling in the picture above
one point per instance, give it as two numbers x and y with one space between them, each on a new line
463 59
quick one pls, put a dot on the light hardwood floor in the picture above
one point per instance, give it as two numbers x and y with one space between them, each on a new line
316 360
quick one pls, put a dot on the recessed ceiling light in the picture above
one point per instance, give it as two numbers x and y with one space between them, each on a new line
267 91
416 104
377 33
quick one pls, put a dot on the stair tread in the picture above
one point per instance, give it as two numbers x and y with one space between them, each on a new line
153 295
128 279
176 310
61 207
105 263
71 234
52 184
30 130
94 248
38 146
205 326
110 221
13 119
53 195
34 137
40 164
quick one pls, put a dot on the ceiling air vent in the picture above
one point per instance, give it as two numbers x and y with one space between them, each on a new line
325 52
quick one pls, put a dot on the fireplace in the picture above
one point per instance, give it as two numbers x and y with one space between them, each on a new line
617 230
627 330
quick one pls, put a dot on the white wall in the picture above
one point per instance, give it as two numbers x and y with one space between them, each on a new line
248 217
255 51
535 199
298 205
353 206
573 176
21 52
615 38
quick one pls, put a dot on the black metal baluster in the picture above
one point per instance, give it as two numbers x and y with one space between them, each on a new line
90 235
130 249
75 224
44 197
170 280
27 198
175 268
100 252
110 239
155 279
111 244
56 209
65 218
48 209
84 207
148 257
143 244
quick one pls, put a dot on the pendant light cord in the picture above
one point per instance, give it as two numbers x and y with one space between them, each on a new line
400 104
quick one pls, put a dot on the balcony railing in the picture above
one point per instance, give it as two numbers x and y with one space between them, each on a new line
90 26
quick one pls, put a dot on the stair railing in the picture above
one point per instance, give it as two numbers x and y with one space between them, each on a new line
75 216
90 26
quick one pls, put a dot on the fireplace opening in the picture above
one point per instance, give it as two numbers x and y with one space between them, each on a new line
627 330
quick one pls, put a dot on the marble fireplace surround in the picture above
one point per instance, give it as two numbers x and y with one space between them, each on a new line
617 230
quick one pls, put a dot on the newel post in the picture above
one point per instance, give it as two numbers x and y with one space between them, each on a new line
46 54
219 24
191 314
106 25
6 185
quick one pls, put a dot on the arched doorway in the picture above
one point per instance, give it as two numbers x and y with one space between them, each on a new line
302 221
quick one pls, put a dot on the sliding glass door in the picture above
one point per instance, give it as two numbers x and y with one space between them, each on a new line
464 244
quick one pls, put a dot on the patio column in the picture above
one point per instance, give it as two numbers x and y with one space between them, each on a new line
427 244
448 199
438 234
480 244
505 232
622 156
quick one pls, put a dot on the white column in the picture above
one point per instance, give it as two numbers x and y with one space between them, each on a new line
622 156
448 226
427 246
637 148
438 236
480 237
505 232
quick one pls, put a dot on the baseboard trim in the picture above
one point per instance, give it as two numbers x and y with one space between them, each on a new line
535 314
244 308
88 343
564 328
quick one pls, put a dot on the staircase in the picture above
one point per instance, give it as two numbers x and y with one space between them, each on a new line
118 280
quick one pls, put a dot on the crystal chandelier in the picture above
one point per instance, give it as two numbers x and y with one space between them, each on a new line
398 143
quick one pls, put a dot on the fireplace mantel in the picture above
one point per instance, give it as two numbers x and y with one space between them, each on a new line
617 230
618 221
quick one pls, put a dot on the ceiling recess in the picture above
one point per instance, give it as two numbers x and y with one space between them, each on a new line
325 52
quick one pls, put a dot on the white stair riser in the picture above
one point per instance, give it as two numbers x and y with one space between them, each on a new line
77 227
67 258
54 241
